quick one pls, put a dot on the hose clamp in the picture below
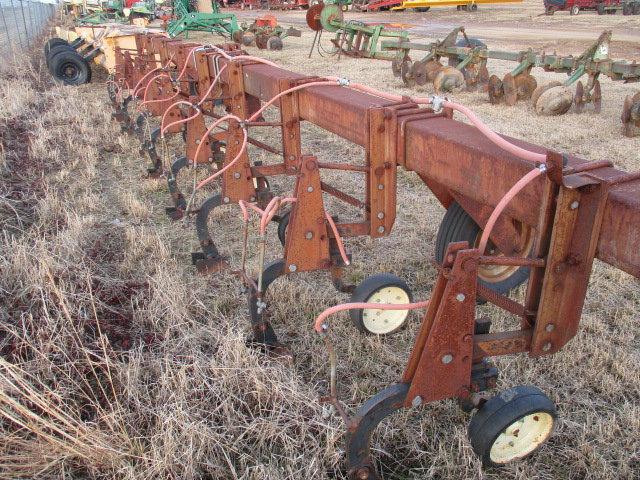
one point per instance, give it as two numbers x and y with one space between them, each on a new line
343 82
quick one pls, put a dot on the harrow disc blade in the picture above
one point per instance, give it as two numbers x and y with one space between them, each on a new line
449 79
405 73
496 92
433 67
313 17
396 65
526 86
631 116
483 78
540 89
419 73
237 36
596 97
554 101
248 38
578 98
510 90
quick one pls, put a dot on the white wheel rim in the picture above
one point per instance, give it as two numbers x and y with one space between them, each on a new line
521 437
385 321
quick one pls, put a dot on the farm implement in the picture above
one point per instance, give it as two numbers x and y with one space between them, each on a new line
352 38
467 68
264 32
206 17
516 212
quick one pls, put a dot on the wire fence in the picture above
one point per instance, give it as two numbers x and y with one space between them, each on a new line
21 22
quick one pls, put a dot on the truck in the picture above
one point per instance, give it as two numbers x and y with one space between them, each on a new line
602 7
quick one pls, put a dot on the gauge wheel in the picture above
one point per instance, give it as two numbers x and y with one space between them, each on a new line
512 425
54 50
70 68
575 10
458 226
53 42
380 288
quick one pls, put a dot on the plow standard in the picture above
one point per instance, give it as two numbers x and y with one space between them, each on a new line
516 212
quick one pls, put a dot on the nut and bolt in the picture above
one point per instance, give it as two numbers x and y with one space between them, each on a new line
308 235
575 204
380 229
225 199
417 401
309 189
236 175
380 186
546 347
293 267
447 359
380 215
460 297
550 327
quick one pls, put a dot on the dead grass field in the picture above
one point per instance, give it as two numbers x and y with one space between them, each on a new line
118 361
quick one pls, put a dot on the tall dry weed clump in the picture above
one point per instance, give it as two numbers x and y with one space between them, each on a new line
114 361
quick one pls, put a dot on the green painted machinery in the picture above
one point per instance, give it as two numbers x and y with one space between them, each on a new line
187 20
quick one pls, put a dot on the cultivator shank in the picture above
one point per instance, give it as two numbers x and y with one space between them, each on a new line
571 210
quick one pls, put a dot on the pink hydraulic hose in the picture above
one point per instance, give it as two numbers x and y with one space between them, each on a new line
163 128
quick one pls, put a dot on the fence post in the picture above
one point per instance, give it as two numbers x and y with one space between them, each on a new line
6 28
15 19
24 21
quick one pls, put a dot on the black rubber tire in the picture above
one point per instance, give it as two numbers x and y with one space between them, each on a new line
626 9
500 411
53 42
64 61
57 49
473 8
575 10
549 11
600 9
422 9
636 8
458 226
365 290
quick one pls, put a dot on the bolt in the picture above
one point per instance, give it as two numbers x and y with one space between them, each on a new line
292 157
550 327
225 199
446 359
308 235
460 297
309 189
575 204
546 347
380 229
252 199
236 175
210 159
198 142
380 215
293 267
380 186
417 401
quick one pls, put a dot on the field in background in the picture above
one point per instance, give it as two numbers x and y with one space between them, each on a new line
118 361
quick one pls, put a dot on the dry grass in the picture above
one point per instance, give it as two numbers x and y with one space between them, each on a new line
119 362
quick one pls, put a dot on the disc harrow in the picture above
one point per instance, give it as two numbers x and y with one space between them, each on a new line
539 216
467 69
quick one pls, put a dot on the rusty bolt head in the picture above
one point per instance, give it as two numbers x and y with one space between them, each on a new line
198 141
380 229
236 175
550 327
575 204
546 347
292 157
380 215
308 235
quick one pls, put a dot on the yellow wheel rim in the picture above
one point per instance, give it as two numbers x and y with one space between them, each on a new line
499 273
521 437
381 322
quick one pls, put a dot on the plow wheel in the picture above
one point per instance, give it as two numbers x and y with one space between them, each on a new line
449 79
495 90
554 101
631 116
313 17
406 74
